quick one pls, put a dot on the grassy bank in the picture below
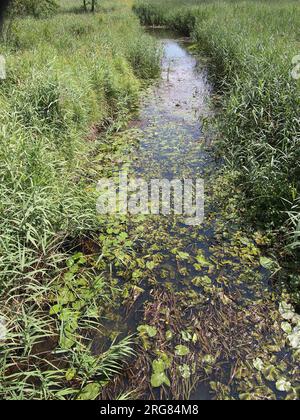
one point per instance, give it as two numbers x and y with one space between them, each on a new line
72 79
250 46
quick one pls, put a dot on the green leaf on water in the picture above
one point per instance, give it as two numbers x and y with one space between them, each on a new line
185 371
286 311
294 338
283 385
70 374
186 336
271 373
182 256
181 350
201 260
158 366
147 329
268 264
169 335
159 379
202 281
286 327
150 265
258 364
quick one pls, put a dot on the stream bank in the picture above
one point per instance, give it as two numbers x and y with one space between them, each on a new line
200 298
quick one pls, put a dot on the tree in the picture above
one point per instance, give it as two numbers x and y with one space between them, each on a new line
89 3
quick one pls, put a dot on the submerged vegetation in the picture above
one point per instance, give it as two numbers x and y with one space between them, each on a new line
250 46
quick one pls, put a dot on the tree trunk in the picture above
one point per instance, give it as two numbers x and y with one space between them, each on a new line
93 5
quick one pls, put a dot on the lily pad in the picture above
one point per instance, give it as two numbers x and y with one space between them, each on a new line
158 366
268 264
202 281
89 392
169 335
147 329
294 338
258 364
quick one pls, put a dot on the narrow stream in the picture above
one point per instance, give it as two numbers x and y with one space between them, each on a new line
201 287
172 145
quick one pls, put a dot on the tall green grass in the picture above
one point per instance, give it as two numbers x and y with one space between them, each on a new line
68 77
250 46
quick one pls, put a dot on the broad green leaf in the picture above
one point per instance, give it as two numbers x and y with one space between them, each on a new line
183 256
147 329
201 260
258 364
70 374
294 338
186 336
270 373
209 359
267 263
204 281
159 379
185 371
158 366
150 265
54 310
286 327
286 311
89 392
283 385
169 335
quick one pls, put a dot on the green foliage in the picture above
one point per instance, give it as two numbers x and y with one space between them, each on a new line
89 4
181 350
250 46
36 8
159 367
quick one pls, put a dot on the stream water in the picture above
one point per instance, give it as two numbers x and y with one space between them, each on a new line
215 321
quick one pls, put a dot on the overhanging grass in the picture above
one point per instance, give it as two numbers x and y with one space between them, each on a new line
251 46
67 77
